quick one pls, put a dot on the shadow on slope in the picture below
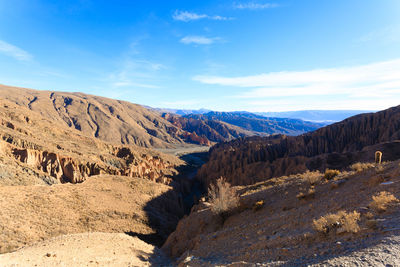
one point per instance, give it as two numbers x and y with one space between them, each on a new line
184 193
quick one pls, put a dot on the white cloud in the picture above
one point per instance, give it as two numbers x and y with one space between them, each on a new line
254 6
189 16
312 104
13 51
200 40
136 73
376 84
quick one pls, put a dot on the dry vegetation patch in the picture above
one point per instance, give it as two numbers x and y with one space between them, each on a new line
360 166
339 222
222 197
310 194
311 177
380 201
330 174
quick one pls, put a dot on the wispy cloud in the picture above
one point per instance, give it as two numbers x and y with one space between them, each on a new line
14 51
187 103
199 40
136 73
254 6
190 16
389 34
368 83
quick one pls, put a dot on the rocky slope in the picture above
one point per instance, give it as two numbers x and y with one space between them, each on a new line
274 223
248 160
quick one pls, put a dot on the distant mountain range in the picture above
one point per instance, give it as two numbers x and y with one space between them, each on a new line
321 116
259 124
324 116
180 111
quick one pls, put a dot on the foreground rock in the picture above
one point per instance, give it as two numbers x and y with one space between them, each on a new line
87 249
114 204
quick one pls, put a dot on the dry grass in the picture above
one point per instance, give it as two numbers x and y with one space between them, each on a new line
311 177
330 174
222 197
360 166
380 201
339 222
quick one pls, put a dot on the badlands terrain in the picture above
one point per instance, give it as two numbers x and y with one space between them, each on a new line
91 181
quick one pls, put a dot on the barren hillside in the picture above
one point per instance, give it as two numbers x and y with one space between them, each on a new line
351 219
114 121
36 148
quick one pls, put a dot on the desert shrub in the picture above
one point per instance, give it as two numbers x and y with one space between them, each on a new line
338 222
258 205
330 174
222 197
311 177
359 167
307 195
381 201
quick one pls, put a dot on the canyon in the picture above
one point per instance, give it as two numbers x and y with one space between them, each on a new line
136 178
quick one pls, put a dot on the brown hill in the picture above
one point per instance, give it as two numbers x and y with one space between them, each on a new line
248 160
288 221
38 147
114 121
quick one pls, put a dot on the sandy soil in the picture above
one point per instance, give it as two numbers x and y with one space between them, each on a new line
87 249
116 204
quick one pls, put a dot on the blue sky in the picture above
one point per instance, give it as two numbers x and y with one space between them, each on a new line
221 55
